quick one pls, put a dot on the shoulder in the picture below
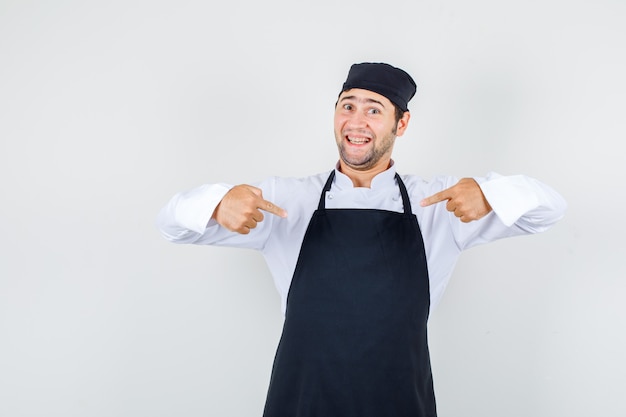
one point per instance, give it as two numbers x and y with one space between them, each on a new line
420 187
291 189
312 181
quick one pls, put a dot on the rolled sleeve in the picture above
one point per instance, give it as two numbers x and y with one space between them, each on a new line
187 214
518 197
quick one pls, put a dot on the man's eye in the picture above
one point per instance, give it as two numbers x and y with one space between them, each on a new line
374 111
347 107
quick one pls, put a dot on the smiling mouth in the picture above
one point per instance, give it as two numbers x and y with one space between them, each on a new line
358 140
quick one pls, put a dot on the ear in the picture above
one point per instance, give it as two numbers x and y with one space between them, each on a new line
403 123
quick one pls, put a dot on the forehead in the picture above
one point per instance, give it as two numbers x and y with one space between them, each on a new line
360 95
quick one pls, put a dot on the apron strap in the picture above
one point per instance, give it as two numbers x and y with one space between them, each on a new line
329 182
403 192
405 196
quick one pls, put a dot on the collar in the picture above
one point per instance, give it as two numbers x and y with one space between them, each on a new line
382 180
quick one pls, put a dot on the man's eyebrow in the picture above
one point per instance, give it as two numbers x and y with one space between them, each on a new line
368 100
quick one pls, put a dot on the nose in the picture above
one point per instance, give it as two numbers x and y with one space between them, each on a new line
357 120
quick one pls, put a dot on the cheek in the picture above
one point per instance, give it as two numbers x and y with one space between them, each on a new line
339 123
380 128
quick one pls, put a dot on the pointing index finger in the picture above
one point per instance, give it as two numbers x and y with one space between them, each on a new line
435 198
273 208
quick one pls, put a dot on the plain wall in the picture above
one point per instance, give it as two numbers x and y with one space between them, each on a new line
107 109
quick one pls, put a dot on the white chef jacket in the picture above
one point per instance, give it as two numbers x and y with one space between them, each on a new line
521 205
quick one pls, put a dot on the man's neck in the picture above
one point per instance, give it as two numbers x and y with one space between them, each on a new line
363 178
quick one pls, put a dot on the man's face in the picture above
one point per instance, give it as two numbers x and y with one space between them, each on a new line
365 129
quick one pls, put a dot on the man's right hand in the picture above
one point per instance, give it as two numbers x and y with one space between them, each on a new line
241 209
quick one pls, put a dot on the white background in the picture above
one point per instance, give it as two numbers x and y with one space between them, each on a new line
109 108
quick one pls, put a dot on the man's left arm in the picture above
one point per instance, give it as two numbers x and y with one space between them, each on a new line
523 201
516 200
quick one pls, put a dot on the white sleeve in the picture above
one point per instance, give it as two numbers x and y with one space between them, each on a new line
521 205
523 201
185 218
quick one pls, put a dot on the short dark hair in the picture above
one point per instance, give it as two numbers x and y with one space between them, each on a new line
399 112
398 115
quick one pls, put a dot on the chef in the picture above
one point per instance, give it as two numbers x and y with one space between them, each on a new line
360 254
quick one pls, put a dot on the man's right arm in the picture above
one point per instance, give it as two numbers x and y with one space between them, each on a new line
242 209
187 216
215 214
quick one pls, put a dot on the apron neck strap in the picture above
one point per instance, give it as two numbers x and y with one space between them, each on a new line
405 195
329 182
403 192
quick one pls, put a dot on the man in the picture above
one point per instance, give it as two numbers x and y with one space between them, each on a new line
360 254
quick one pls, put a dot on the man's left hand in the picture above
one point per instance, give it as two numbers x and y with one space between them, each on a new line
465 199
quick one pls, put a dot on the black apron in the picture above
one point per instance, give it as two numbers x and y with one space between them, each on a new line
354 340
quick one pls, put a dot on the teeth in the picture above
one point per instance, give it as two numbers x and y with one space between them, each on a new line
358 141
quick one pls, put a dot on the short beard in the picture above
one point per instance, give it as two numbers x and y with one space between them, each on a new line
370 159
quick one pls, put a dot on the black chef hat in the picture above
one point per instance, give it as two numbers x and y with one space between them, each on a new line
384 79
